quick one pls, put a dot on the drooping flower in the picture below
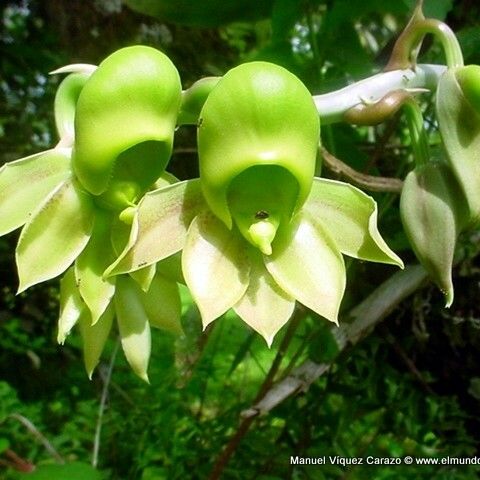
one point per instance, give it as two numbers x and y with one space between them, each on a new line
257 231
116 125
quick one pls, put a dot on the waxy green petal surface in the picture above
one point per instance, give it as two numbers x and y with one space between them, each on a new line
133 325
71 305
25 183
57 233
162 304
265 306
96 291
215 265
160 226
307 264
94 337
350 216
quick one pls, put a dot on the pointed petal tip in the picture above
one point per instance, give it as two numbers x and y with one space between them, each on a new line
448 297
74 68
269 340
144 377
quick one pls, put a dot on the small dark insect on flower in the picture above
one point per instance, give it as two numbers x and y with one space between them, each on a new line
261 214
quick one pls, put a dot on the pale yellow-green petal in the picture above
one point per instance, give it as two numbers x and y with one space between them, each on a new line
57 233
133 325
144 276
350 217
96 291
307 265
162 304
71 305
215 265
94 337
160 226
265 306
25 183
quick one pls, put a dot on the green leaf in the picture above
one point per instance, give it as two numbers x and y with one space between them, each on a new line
162 304
160 226
94 337
25 183
71 305
57 233
350 216
307 265
460 129
96 291
215 266
133 325
69 471
265 306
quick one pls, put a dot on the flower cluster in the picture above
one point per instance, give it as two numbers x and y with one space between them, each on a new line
256 232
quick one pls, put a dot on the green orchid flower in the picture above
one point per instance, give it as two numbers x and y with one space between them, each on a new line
72 200
257 231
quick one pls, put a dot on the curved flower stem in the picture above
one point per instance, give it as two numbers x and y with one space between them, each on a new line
406 48
332 106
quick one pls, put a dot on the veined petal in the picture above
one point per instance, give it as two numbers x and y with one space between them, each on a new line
350 216
163 217
57 233
94 337
96 291
307 265
162 304
265 306
215 266
71 305
25 183
133 325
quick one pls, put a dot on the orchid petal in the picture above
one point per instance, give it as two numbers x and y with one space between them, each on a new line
265 306
144 276
57 233
350 216
25 183
133 325
215 266
71 305
307 265
162 304
94 337
160 226
96 291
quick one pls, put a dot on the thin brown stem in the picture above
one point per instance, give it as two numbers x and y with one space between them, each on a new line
368 182
246 422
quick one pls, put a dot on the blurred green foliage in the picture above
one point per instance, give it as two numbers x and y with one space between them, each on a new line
411 388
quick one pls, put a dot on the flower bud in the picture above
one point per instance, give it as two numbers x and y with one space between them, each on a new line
258 136
432 212
125 119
